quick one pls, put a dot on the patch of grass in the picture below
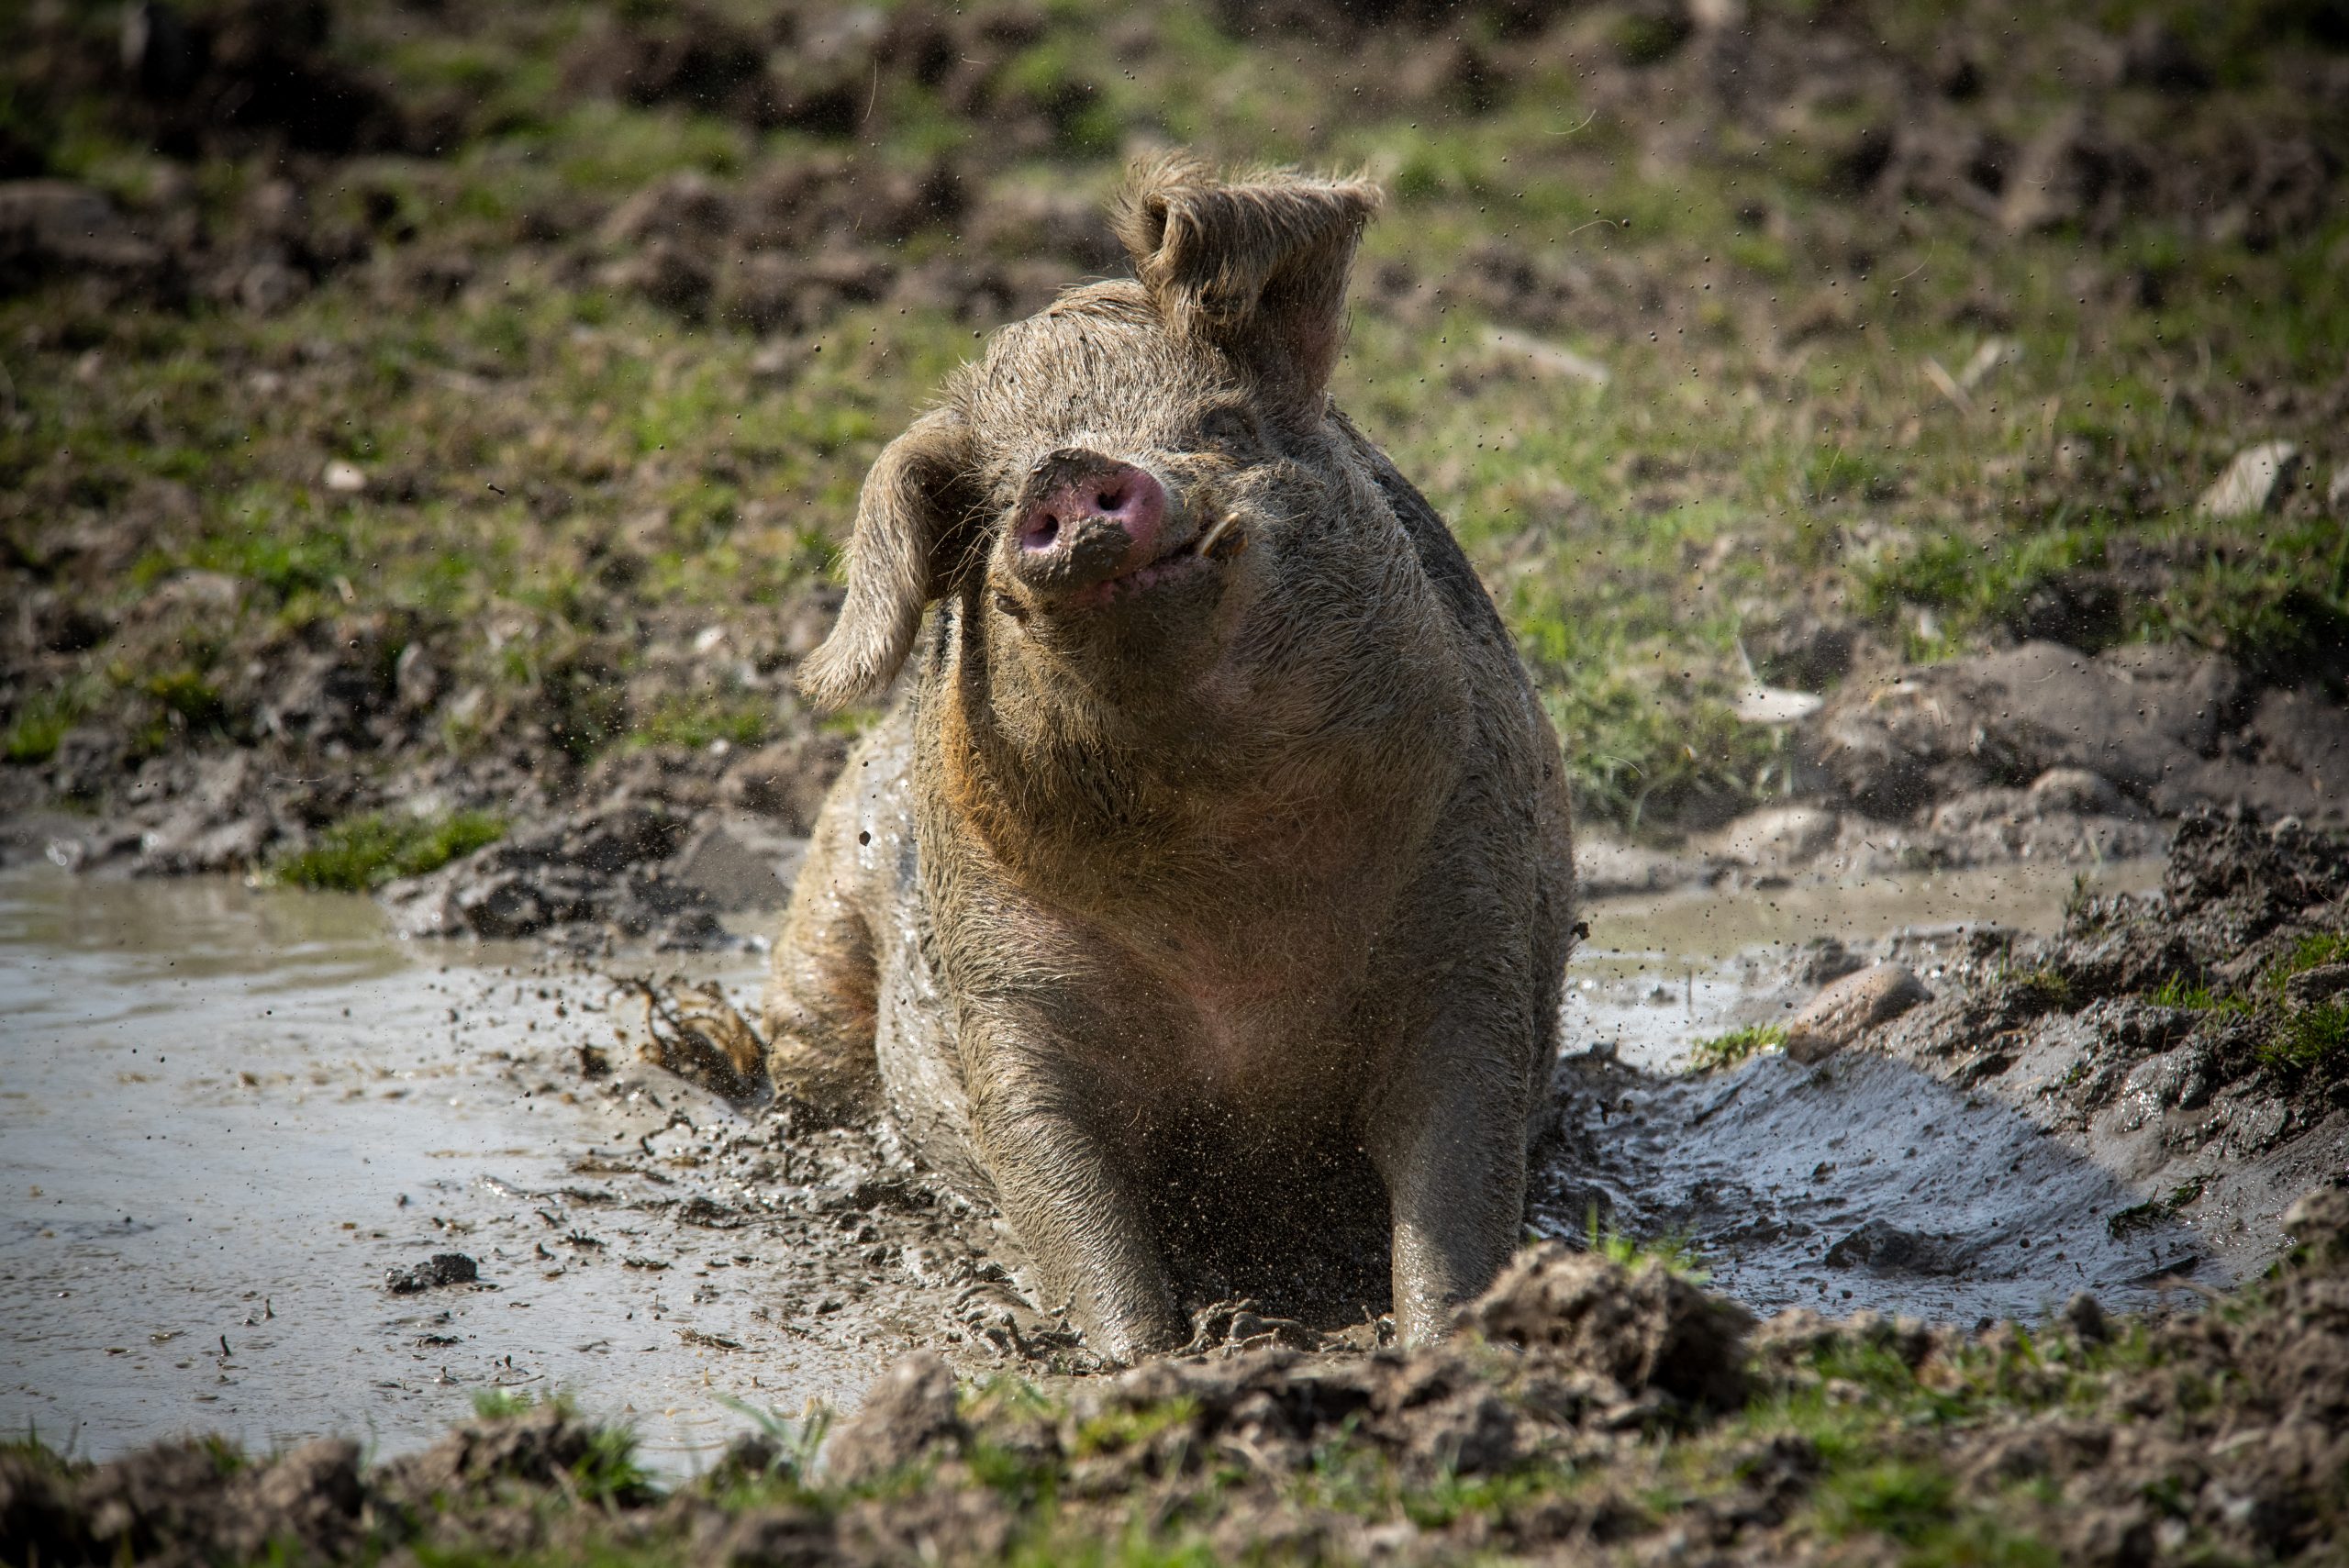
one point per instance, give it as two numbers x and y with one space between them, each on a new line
695 721
2181 991
1054 1545
2311 952
1978 584
361 853
1115 1430
608 1471
793 1441
36 727
1726 1050
1674 1250
189 699
1839 474
503 1404
1016 1474
2309 1041
2042 990
1452 1497
313 559
1911 1503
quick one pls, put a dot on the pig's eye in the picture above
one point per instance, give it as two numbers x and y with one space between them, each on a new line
1231 430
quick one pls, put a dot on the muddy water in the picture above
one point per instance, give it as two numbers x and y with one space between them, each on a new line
227 1113
1660 971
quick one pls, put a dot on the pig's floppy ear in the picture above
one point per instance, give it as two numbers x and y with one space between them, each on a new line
1257 267
912 518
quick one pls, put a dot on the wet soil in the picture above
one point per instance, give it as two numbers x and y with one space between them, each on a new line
536 1211
670 1247
1588 1410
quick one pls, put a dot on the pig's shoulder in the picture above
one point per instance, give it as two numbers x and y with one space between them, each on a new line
1440 554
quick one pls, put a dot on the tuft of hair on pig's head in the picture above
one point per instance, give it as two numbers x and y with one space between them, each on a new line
1120 474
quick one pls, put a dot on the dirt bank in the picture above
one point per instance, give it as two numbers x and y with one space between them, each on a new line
2148 1087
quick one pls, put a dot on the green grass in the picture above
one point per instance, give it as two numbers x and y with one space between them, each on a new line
1115 1430
2311 952
1722 1051
2309 1041
2041 990
1674 1250
696 721
502 1403
360 853
36 727
2178 991
1909 1503
792 1441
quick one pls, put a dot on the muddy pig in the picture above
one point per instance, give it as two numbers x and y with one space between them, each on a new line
1206 898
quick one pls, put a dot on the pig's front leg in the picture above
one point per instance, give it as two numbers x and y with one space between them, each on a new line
1449 1140
1067 1187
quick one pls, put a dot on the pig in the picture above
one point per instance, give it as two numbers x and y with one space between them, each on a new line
1206 893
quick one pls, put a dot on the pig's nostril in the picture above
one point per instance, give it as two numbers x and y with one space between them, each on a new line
1109 500
1040 534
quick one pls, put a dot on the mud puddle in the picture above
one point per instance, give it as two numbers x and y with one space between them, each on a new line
231 1113
1660 972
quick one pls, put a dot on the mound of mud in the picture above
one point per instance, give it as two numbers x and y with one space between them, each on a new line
1561 1421
2191 1041
2130 1101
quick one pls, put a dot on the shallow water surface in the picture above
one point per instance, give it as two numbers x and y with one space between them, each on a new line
228 1111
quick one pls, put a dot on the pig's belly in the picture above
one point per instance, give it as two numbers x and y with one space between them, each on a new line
914 1038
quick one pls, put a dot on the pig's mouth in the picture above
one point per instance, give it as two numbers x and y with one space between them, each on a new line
1204 550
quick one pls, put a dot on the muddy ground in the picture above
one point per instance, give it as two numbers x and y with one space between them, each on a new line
2051 1173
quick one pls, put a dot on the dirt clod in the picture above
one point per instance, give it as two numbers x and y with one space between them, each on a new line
1850 1007
444 1269
1643 1329
907 1412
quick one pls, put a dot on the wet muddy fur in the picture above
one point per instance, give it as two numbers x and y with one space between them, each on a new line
1189 892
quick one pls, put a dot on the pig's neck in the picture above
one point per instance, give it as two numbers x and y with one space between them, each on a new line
1288 765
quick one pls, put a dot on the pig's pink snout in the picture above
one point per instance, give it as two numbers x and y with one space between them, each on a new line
1078 510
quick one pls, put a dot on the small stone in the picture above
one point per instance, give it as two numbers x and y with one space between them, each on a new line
1849 1009
445 1268
2087 1318
2313 988
2254 481
348 478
